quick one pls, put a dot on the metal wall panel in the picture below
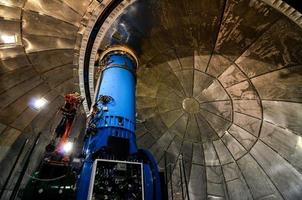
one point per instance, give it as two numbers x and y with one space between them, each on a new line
239 62
259 183
283 141
271 51
248 107
222 152
243 90
210 155
55 9
235 148
231 76
197 186
214 92
43 25
244 137
221 108
11 13
46 60
286 178
233 36
34 43
275 112
248 123
283 85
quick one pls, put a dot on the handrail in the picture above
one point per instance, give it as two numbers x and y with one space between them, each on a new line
185 178
171 184
24 168
13 167
181 183
182 174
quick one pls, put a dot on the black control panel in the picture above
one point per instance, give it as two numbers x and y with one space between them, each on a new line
116 180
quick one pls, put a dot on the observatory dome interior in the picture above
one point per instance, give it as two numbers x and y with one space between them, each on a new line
218 91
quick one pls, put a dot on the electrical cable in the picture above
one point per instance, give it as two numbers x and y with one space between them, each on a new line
46 179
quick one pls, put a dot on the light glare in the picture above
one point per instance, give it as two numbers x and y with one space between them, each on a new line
8 39
39 103
67 147
299 142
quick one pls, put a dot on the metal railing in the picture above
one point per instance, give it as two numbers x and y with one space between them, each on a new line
170 172
13 168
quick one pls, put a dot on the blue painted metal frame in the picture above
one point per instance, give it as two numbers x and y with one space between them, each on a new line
116 117
151 176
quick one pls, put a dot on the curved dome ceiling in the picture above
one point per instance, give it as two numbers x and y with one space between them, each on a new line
218 86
